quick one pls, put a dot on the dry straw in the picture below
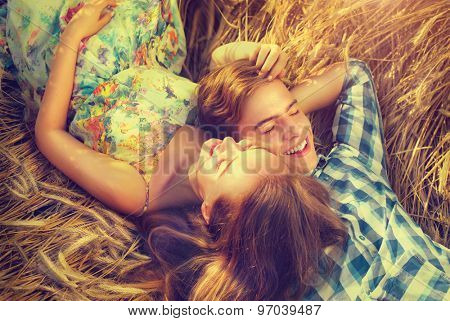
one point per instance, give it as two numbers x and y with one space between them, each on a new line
59 243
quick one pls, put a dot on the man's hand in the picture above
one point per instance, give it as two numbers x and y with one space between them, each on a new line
270 59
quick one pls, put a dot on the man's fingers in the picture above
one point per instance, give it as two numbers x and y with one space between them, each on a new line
278 68
254 54
262 55
271 59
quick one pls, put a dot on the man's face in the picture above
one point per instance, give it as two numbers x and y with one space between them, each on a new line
272 118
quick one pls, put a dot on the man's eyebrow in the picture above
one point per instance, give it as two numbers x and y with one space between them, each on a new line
274 116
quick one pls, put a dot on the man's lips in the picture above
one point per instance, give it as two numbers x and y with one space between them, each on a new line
304 151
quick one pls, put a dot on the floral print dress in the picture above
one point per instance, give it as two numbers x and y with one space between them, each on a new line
128 99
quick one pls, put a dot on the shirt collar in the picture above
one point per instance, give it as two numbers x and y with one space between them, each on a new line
322 161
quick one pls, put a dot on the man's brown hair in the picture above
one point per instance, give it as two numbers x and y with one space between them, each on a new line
221 94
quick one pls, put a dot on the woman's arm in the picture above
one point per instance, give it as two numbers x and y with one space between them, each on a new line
53 110
114 182
320 90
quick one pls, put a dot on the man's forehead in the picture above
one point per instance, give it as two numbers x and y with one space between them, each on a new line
269 91
267 101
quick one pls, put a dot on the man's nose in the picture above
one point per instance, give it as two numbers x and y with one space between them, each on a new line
292 127
287 127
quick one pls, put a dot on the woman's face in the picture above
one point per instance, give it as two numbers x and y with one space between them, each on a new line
232 170
272 118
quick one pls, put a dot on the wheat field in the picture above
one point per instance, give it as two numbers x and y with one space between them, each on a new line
59 243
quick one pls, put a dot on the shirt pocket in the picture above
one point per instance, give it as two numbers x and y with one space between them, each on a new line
410 278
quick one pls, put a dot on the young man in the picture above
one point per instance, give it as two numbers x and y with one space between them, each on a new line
387 256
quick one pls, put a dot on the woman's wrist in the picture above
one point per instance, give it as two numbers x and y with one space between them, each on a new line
70 38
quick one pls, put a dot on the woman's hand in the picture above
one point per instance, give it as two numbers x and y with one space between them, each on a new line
91 18
270 59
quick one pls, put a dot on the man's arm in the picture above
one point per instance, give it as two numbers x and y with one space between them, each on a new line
321 90
231 52
268 58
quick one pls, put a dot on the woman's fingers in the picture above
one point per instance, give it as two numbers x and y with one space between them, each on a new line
112 3
107 7
105 19
103 6
104 3
92 17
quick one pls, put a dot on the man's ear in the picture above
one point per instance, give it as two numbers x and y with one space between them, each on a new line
206 211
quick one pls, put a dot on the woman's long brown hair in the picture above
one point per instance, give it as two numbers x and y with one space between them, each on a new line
267 248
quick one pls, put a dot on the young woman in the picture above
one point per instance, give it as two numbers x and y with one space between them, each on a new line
257 219
387 256
126 96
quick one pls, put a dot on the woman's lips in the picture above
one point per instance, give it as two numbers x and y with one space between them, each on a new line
211 151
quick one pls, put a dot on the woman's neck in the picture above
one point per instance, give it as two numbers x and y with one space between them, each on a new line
192 176
174 189
174 183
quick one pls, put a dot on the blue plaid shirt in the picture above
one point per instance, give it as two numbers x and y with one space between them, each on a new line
387 255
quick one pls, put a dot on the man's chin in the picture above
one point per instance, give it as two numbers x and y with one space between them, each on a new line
302 166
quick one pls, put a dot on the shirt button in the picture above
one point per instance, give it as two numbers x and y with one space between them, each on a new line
362 238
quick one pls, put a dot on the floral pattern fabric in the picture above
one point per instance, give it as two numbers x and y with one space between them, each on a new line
128 99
